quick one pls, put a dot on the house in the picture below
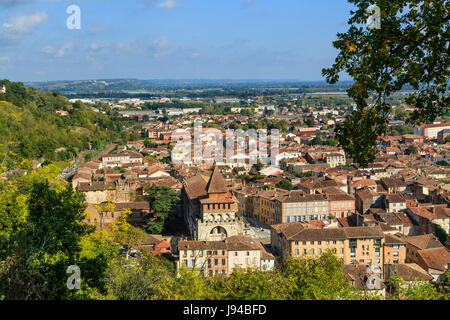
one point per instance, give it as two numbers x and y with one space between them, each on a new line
213 258
431 131
435 261
427 218
366 199
394 250
363 278
395 202
335 159
409 272
350 244
341 205
421 242
393 185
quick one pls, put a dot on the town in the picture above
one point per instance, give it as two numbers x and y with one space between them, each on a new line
391 218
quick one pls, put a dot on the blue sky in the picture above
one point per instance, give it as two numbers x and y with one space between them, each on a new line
170 39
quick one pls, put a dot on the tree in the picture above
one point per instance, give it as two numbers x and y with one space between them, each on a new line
47 244
285 184
440 233
125 235
418 290
251 284
409 49
317 279
103 208
162 202
412 150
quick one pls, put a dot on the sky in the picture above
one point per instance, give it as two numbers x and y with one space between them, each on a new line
169 39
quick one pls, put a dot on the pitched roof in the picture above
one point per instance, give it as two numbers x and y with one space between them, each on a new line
410 272
425 241
364 232
391 239
437 258
216 183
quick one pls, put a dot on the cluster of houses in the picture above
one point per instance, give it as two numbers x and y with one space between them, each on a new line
392 217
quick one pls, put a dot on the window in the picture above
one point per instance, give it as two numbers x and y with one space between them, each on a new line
184 254
312 242
201 253
396 261
304 252
319 251
247 261
223 262
297 252
319 242
395 253
216 262
341 250
236 254
312 251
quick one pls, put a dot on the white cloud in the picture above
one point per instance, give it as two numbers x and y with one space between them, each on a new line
99 46
57 52
168 4
4 59
18 27
161 43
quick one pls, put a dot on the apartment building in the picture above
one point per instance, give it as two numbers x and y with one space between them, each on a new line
214 258
351 244
394 250
298 207
341 205
335 159
431 131
395 202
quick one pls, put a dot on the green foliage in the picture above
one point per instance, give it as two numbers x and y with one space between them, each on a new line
142 278
317 279
440 233
417 290
410 48
30 128
412 150
47 243
285 184
251 285
162 202
400 130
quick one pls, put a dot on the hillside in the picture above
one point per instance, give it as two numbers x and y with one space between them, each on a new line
31 128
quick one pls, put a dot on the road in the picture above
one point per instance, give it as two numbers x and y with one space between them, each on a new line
70 171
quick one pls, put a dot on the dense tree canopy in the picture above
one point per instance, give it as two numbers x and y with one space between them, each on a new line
411 47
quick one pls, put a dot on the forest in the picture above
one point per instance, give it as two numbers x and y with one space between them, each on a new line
31 128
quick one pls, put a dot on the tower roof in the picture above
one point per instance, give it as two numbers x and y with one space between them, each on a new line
216 183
